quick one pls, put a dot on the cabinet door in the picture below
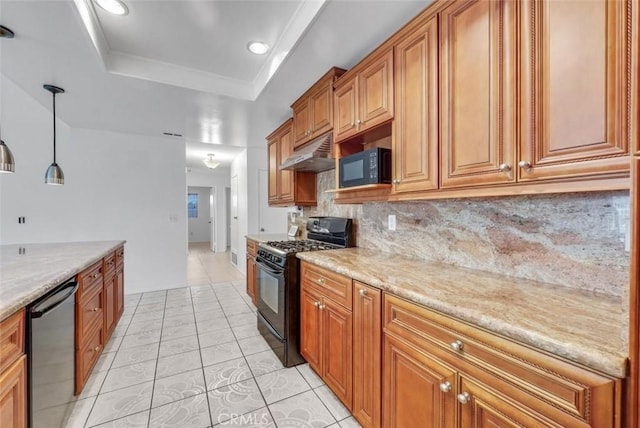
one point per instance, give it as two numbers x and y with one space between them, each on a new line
13 395
251 278
311 329
273 171
412 395
87 355
367 353
345 114
321 111
375 92
337 350
478 97
119 292
286 184
109 306
483 408
575 88
301 122
415 149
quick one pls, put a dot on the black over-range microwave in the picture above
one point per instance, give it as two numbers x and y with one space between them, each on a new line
371 166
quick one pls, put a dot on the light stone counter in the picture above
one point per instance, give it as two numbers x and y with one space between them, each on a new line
574 324
26 277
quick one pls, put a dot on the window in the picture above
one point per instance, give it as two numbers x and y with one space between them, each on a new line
192 205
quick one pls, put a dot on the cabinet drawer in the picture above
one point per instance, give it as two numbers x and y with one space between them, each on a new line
252 248
109 267
90 279
90 311
335 286
119 256
11 339
88 354
561 384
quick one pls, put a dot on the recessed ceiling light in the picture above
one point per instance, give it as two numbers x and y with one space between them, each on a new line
116 7
258 48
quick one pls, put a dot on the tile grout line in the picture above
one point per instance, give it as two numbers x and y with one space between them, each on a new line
204 377
155 372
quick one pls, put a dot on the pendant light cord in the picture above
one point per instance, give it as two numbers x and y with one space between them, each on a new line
54 127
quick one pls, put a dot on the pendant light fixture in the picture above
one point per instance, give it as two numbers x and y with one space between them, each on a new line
210 163
54 175
7 164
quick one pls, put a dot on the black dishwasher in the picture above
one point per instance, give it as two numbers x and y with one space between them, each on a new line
51 356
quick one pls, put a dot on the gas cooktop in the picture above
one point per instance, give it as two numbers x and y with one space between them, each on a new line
300 245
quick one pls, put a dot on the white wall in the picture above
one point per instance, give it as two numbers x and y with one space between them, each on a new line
117 186
199 227
219 179
239 168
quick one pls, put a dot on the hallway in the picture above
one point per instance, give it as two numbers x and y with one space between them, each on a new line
207 267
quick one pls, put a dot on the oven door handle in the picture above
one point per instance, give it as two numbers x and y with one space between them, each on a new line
272 330
271 271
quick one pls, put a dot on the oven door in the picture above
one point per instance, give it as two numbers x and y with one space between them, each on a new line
270 294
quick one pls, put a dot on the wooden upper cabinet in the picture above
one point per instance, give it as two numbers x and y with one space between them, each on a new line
415 146
411 387
345 111
575 88
273 170
313 111
375 89
364 99
478 97
286 177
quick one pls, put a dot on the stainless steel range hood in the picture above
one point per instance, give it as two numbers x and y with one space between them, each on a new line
314 157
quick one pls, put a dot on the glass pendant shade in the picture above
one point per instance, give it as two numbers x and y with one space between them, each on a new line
7 163
54 175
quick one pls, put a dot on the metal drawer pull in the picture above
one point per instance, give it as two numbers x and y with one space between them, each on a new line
96 349
457 345
320 281
445 386
363 292
95 309
322 307
316 304
504 167
524 164
463 398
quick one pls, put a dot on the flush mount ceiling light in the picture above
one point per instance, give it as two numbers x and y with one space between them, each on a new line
258 48
210 163
54 175
115 7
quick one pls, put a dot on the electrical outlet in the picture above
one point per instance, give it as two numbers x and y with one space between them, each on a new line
392 222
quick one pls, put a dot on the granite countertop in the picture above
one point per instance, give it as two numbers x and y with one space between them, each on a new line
28 276
574 324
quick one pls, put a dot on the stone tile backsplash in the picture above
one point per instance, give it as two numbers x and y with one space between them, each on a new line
574 240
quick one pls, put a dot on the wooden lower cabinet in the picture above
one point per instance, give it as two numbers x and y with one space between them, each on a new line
99 306
413 397
367 352
326 331
13 372
13 395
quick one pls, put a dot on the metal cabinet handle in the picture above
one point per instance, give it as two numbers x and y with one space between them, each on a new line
524 164
445 386
363 292
322 307
96 349
320 280
457 345
316 304
358 122
463 398
95 309
353 124
505 167
396 181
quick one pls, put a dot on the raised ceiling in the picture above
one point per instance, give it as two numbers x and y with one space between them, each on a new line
52 45
199 45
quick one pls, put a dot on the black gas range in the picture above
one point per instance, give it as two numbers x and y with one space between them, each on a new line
278 283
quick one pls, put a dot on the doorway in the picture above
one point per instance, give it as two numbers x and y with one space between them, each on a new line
234 220
201 216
